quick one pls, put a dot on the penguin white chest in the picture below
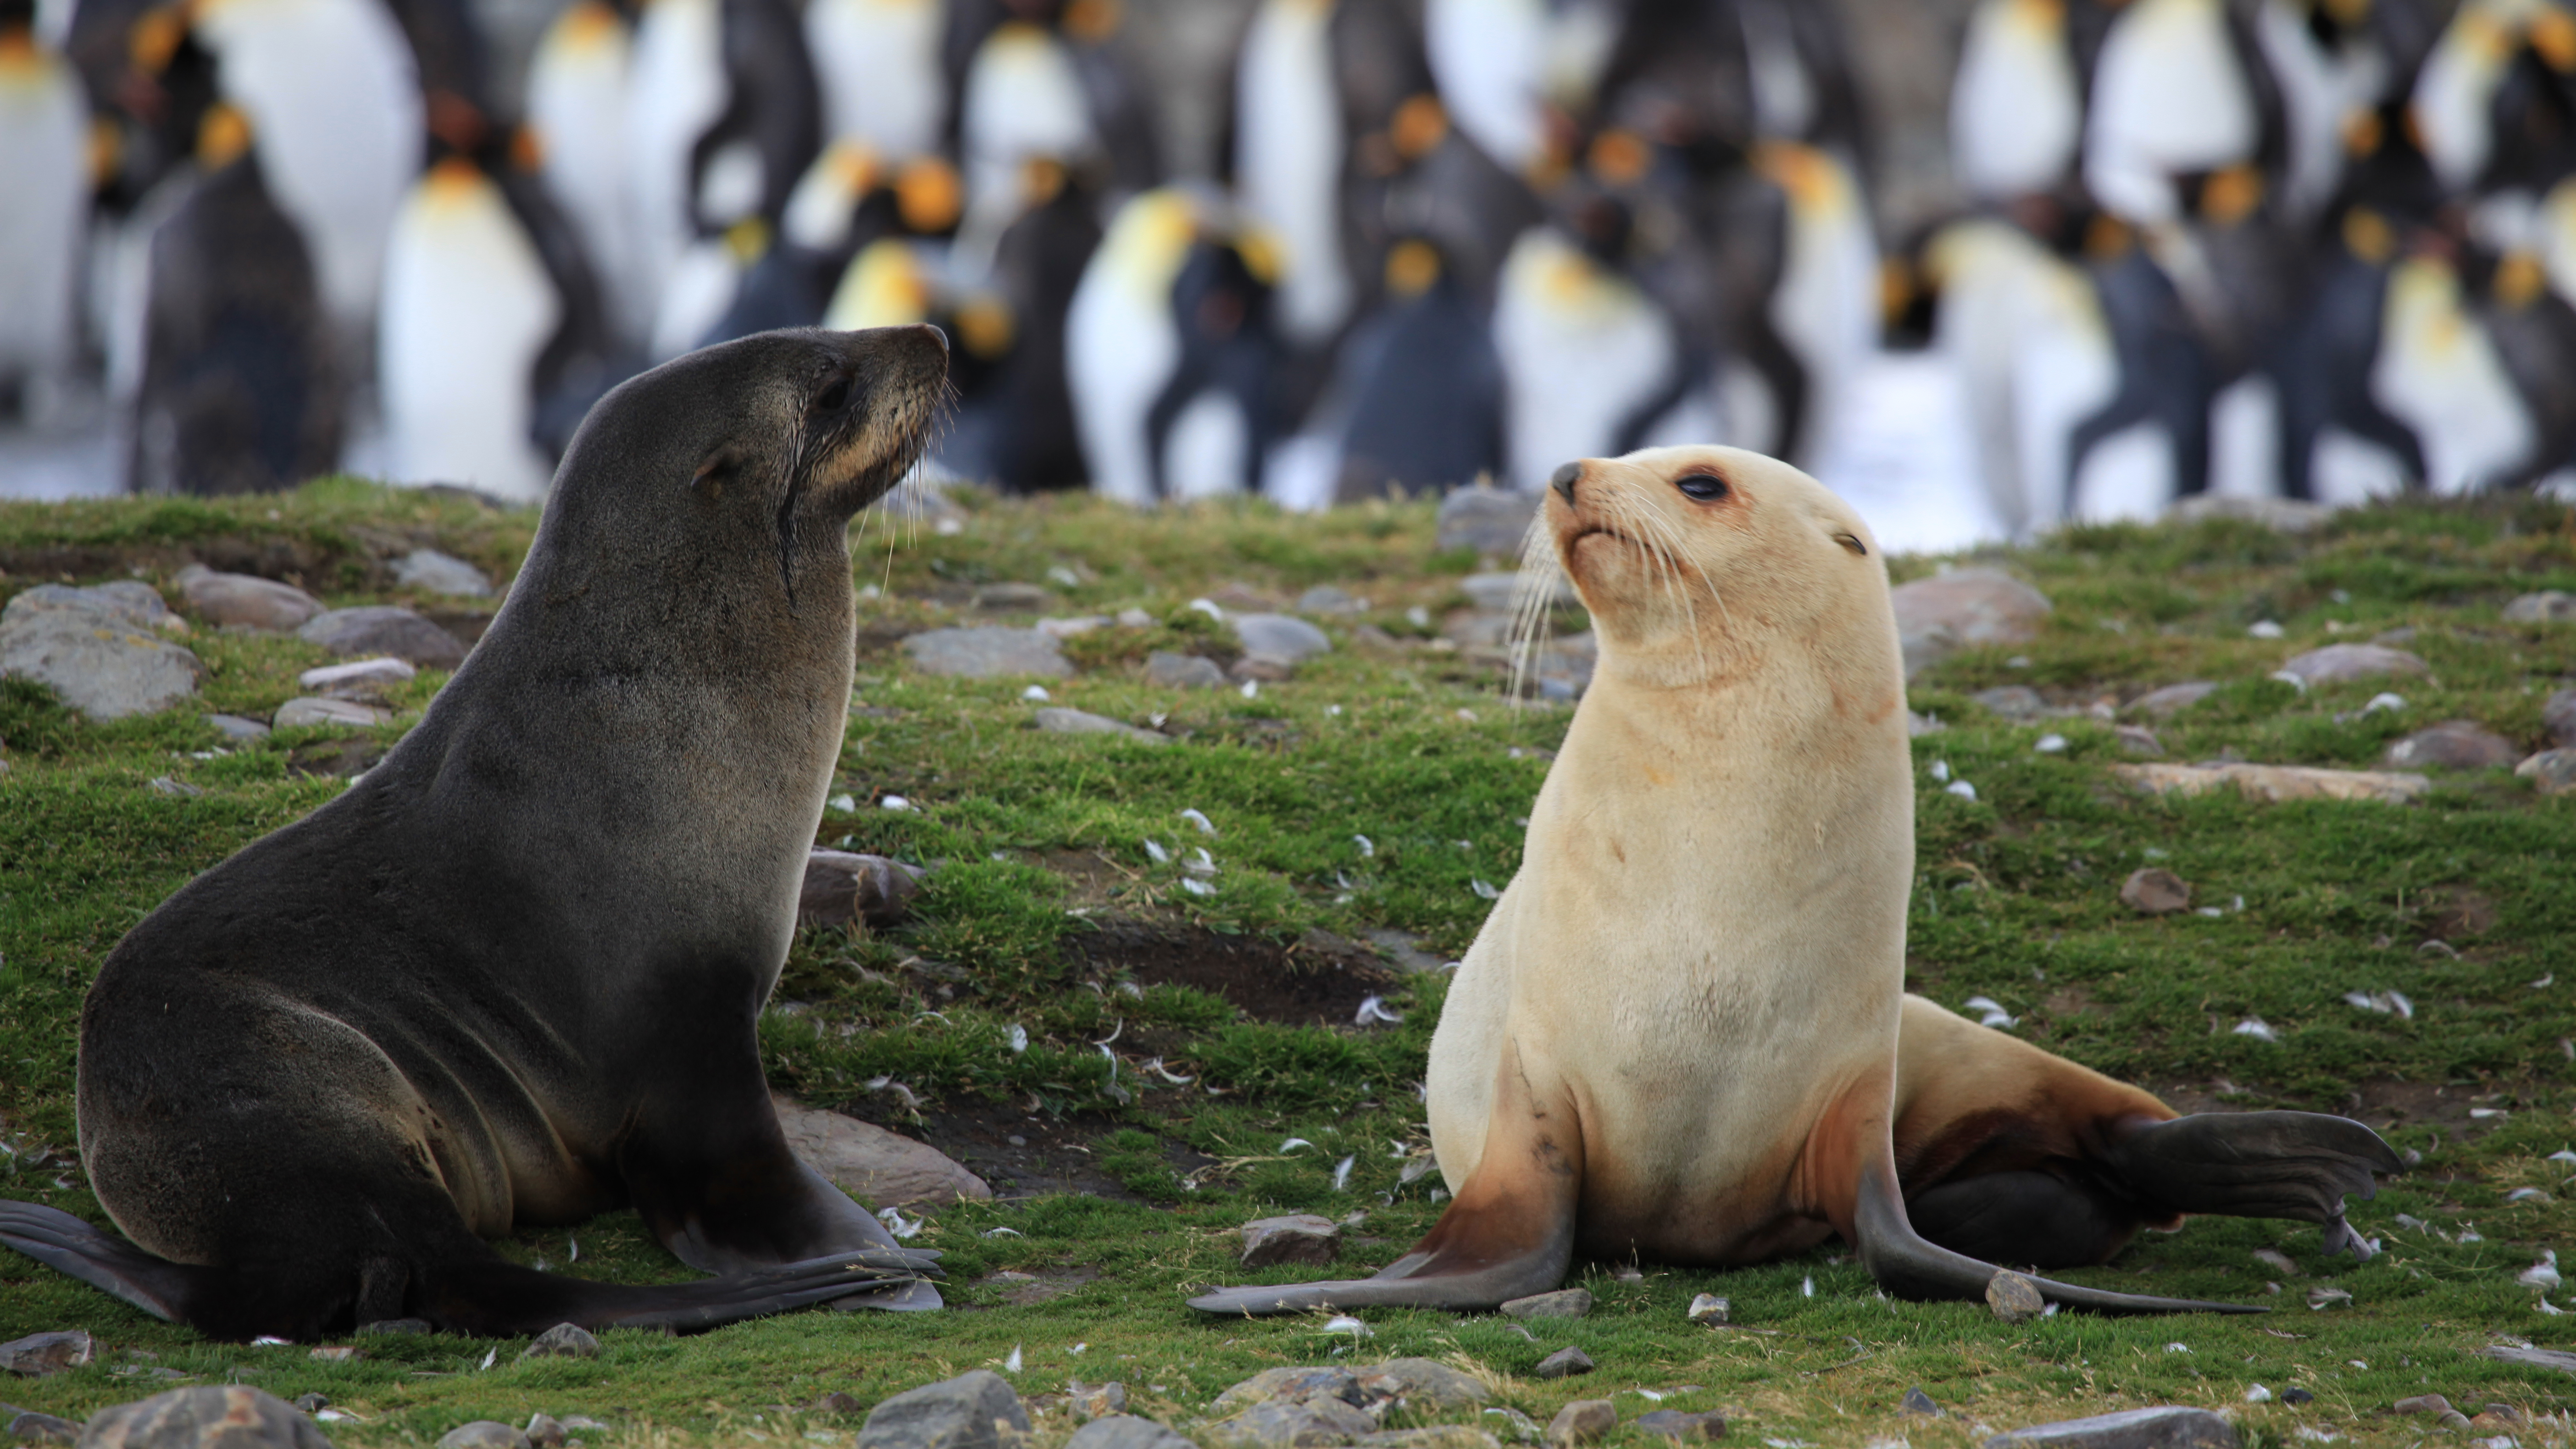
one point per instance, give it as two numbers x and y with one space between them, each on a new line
576 101
1582 350
878 61
44 175
468 306
2169 96
677 90
1122 343
1288 159
1490 58
2016 109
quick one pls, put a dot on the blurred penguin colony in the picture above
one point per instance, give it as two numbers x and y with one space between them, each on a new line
2313 248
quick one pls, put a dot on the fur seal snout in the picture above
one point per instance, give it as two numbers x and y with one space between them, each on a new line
513 975
1683 1032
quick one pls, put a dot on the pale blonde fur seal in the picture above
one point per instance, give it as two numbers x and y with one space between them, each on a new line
1683 1033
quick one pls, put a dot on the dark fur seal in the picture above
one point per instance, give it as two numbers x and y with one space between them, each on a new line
511 977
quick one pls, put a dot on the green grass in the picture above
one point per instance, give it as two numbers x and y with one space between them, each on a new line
1041 836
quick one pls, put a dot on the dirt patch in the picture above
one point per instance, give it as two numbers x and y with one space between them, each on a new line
1027 1290
2456 913
1019 1153
2380 1104
1319 981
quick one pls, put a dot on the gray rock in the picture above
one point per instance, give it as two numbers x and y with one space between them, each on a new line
1282 636
2422 1404
1011 598
1499 591
2281 515
2172 699
2343 663
483 1434
359 678
989 652
1325 599
2155 891
1431 1436
2016 702
100 648
1126 1431
2138 740
234 727
2458 744
1295 1238
1419 1381
1492 521
545 1431
1060 721
1289 1385
1182 671
1282 1424
2548 1358
842 886
1687 1427
1711 1309
882 1169
1564 1363
314 710
976 1410
2552 772
44 1428
39 1354
1582 1422
1563 1303
2451 1419
2558 716
1267 668
564 1340
1938 616
2014 1298
1918 1402
245 600
2550 606
384 629
1478 628
2164 1427
433 572
229 1416
1099 1401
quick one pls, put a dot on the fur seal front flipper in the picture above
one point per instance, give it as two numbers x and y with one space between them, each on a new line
513 977
1683 1034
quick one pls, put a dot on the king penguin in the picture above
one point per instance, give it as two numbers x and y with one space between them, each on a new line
2180 87
1122 340
2017 101
578 107
879 65
44 171
1582 349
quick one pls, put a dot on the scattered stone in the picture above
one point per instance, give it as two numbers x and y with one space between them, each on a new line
1492 521
1564 1363
2497 1415
1290 1385
245 600
1296 1238
359 678
1281 636
880 1168
336 1353
1582 1422
842 886
2014 1298
988 652
2163 1427
564 1340
1011 598
2458 744
1709 1308
1325 599
1074 627
544 1431
48 1428
2155 892
1431 1436
384 629
1687 1427
2549 606
2281 515
1563 1303
2137 740
2548 1358
837 1402
2552 772
975 1410
230 1416
432 572
2422 1404
314 710
1938 616
1182 671
2276 783
234 727
1098 1402
2343 663
2018 703
1125 1431
99 648
2297 1396
2173 698
1281 1424
1267 668
1496 592
483 1434
1418 1381
39 1354
1918 1402
397 1326
2451 1419
2558 716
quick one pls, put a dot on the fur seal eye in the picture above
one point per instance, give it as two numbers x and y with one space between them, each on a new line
832 399
1852 541
1702 487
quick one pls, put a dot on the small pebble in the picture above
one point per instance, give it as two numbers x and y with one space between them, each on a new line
1564 1363
2014 1298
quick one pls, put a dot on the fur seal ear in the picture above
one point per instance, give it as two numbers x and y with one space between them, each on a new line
709 481
1852 541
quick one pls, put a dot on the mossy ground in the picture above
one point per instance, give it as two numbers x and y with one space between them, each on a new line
1416 748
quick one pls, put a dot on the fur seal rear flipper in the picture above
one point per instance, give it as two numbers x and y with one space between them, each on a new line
1683 1034
513 975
